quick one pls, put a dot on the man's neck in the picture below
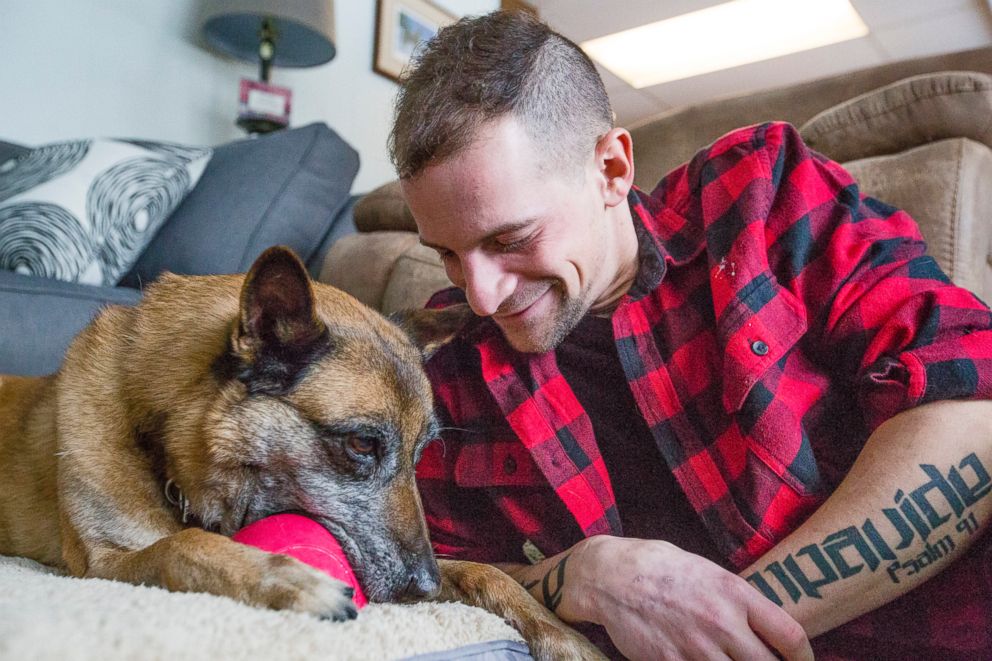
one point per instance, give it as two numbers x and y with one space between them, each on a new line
625 264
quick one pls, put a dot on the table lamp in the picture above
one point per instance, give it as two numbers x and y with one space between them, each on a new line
281 33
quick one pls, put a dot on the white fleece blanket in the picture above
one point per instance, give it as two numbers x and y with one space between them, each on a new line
44 615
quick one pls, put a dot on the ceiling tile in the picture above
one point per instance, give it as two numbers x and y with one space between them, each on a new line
584 19
611 81
886 13
631 105
945 33
628 103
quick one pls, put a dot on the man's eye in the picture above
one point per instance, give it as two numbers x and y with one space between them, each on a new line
512 243
362 446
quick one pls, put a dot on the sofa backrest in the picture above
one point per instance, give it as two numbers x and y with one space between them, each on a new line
287 188
665 141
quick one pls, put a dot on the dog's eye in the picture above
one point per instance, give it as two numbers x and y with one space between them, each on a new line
361 445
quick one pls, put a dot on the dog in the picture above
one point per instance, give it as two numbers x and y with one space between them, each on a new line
220 400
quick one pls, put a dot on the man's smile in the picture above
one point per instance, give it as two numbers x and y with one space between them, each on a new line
521 313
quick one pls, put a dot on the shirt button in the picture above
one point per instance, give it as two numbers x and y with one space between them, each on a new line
509 465
759 348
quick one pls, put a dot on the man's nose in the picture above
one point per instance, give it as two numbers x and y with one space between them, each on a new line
487 284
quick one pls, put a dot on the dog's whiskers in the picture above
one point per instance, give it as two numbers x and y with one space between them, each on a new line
461 429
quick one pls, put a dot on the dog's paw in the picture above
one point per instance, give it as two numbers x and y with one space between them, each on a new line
550 641
288 584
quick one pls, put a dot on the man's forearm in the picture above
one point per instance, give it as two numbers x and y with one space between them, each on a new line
914 501
546 582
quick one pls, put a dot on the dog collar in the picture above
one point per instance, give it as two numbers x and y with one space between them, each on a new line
176 497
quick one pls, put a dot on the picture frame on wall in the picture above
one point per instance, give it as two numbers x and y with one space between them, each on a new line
400 27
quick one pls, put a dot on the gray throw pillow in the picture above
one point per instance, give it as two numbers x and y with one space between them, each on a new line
282 188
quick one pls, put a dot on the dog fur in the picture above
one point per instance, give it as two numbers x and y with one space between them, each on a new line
238 397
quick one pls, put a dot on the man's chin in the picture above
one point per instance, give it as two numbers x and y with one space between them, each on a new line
528 343
546 336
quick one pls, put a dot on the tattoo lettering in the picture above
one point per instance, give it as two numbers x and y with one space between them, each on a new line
551 595
931 553
921 514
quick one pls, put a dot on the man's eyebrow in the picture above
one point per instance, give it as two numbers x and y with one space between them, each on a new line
505 228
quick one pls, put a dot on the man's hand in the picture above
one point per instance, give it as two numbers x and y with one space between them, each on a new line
660 602
657 601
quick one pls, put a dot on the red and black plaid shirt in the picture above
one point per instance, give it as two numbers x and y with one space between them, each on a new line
777 319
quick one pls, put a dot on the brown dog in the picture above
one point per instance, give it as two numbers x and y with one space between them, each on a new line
220 400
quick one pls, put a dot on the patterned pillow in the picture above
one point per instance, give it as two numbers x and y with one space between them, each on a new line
84 210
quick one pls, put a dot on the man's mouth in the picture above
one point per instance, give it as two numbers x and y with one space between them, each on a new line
520 311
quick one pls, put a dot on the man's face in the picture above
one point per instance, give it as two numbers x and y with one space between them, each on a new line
533 249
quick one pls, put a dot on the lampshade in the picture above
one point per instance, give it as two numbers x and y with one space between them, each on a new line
304 29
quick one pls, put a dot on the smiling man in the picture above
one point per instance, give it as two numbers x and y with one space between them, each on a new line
716 420
529 248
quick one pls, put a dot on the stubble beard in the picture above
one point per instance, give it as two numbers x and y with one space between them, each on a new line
546 335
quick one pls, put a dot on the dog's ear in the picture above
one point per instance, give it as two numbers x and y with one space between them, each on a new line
432 329
278 330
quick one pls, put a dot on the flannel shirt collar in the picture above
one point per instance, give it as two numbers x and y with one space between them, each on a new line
664 239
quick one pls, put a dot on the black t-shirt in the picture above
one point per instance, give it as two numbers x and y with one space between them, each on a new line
650 503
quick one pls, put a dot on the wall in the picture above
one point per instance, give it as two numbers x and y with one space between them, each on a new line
135 68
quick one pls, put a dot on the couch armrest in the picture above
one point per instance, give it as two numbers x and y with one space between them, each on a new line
944 186
342 225
905 114
41 316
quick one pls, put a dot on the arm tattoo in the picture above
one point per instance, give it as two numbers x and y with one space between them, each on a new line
937 511
552 597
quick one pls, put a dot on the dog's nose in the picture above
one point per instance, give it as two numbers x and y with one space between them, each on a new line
425 581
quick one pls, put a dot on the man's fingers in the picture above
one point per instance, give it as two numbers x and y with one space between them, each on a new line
778 629
743 643
749 647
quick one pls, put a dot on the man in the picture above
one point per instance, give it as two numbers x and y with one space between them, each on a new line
717 419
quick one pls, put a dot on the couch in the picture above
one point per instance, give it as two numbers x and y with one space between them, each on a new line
292 187
915 134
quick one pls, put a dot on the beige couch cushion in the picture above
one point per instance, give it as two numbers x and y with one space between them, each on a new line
361 264
388 271
384 209
417 274
910 112
944 186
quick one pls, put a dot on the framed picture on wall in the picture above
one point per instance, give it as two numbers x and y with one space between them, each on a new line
400 27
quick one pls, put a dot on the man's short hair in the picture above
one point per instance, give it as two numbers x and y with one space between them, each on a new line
485 68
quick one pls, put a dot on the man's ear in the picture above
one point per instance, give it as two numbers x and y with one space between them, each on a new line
278 331
432 329
615 164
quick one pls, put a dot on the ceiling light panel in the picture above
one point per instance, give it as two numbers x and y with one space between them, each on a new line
724 36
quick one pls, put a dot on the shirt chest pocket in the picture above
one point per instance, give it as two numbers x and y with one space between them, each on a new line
755 332
759 335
